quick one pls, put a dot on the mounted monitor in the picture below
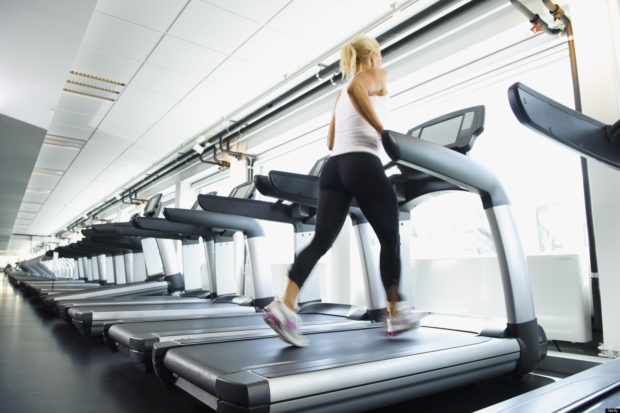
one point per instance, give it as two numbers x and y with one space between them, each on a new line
318 166
153 206
245 190
457 130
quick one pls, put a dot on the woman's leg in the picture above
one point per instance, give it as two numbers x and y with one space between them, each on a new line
374 194
332 209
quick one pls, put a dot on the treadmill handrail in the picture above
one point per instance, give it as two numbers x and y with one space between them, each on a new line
573 129
163 225
119 241
445 164
252 208
126 228
250 226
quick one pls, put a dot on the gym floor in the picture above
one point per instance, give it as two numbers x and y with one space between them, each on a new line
47 366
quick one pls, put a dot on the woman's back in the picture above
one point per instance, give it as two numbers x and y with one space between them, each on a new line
352 132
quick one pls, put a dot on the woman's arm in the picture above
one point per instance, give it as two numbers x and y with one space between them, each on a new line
332 127
330 133
364 84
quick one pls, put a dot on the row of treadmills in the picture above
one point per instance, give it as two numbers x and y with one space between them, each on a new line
122 281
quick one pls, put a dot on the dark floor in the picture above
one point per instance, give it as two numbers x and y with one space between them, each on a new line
47 366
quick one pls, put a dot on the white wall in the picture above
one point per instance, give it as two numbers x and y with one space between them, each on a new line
473 286
596 25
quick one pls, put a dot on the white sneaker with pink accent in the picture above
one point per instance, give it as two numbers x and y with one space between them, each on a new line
407 319
285 322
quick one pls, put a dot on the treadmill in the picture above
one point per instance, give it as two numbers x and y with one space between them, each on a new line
90 320
39 277
597 388
150 227
151 286
46 290
364 369
137 338
62 306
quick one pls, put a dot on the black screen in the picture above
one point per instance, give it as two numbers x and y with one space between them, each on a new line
243 191
151 205
444 133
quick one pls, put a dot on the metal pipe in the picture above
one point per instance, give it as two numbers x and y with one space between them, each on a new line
219 162
293 96
328 72
534 18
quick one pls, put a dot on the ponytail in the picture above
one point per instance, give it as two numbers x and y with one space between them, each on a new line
355 52
348 60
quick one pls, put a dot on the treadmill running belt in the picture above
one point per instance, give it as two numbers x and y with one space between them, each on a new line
212 367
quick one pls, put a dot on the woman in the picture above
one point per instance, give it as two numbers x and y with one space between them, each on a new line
353 170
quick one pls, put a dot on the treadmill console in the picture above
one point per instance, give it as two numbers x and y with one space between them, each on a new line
318 165
457 130
153 206
246 190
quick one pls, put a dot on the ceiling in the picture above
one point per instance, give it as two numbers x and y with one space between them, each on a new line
119 86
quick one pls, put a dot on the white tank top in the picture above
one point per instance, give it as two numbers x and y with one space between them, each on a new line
353 133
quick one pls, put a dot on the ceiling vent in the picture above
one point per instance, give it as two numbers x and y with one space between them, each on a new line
93 86
63 141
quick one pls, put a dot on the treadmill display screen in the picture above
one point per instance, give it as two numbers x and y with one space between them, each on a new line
151 205
444 133
243 191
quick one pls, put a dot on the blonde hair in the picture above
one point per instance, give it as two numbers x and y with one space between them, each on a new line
356 51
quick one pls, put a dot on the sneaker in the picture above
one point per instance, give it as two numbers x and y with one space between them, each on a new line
285 322
407 319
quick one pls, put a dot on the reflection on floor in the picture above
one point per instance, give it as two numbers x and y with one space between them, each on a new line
47 366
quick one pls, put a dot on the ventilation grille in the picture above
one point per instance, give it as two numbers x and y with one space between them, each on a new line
47 171
63 141
97 87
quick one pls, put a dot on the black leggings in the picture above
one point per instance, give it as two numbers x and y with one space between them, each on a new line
359 175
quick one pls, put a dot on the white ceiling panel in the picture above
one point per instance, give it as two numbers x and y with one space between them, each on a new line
43 181
102 186
141 154
118 173
258 11
136 111
154 14
185 57
35 196
370 9
285 54
30 207
95 108
106 145
120 37
184 66
69 131
25 215
322 24
205 24
69 199
218 101
44 38
245 83
159 143
164 81
60 210
56 157
104 64
186 120
73 118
